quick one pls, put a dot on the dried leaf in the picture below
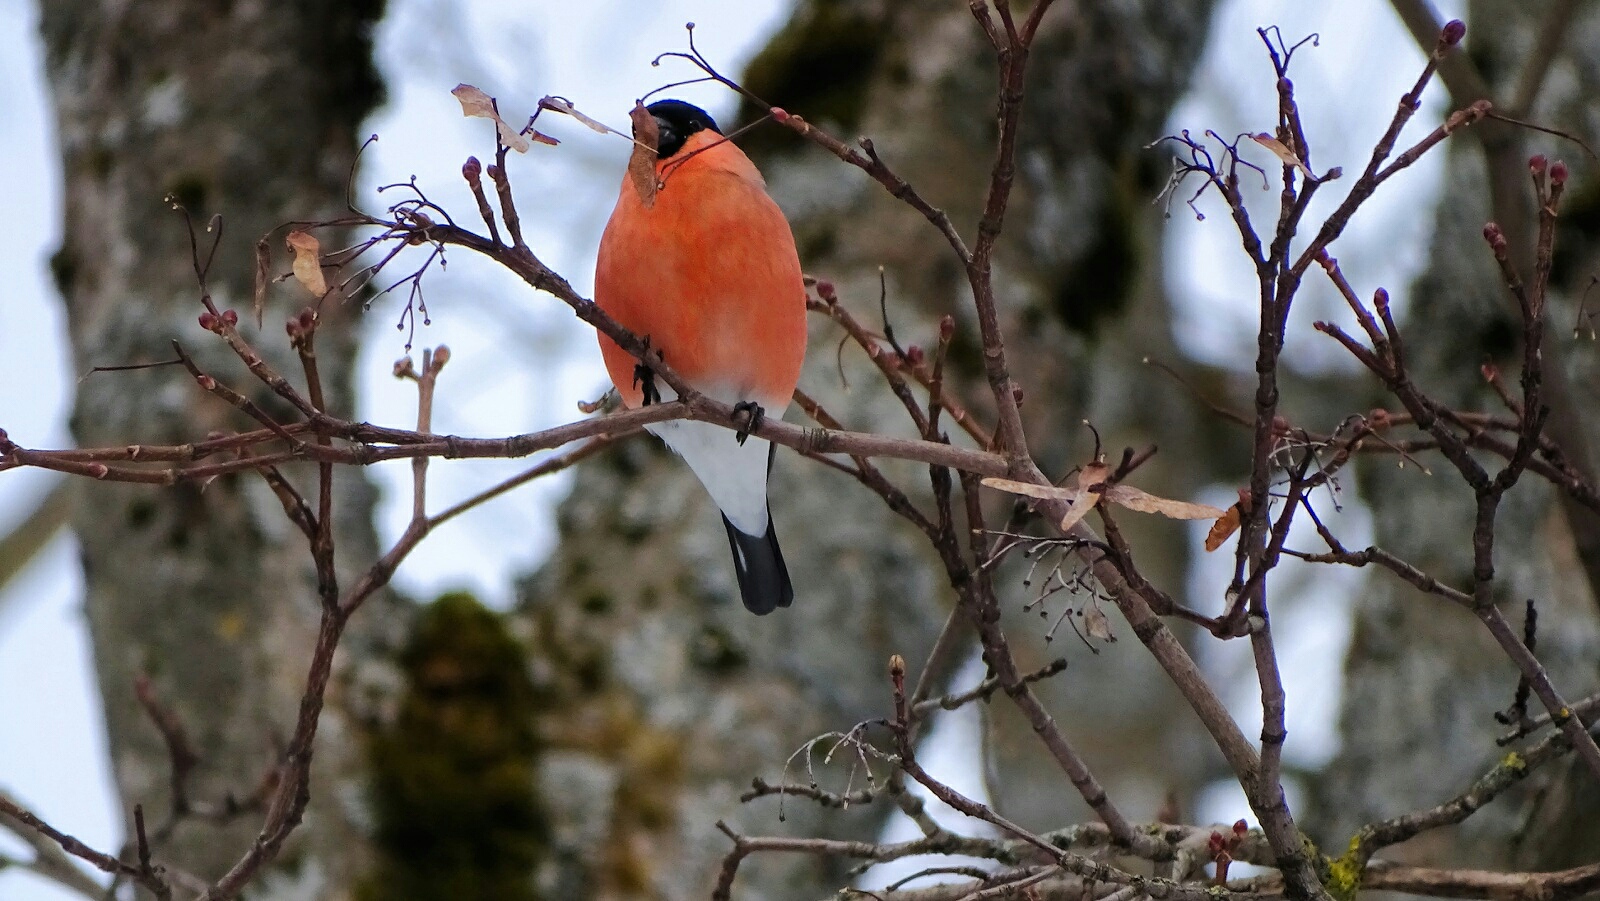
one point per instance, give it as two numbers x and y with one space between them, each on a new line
1144 502
1028 489
1226 525
1281 152
263 274
475 102
307 261
1095 623
642 164
565 107
1091 475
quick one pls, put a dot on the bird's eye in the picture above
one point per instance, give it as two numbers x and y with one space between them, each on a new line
668 141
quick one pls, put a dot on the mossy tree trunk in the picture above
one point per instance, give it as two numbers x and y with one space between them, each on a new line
248 110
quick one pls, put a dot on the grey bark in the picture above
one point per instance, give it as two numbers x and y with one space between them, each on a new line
674 697
1423 678
249 110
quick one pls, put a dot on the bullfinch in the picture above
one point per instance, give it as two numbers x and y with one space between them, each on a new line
702 265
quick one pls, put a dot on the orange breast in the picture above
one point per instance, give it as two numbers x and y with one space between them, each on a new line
709 272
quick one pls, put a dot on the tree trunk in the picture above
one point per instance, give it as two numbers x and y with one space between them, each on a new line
674 696
249 110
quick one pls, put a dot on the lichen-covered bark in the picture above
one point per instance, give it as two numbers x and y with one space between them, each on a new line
672 696
249 110
1424 678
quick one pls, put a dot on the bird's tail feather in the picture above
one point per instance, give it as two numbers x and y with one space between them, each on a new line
763 577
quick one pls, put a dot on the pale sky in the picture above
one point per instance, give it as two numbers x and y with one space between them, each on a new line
520 361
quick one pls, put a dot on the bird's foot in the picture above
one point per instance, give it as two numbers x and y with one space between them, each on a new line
644 377
752 414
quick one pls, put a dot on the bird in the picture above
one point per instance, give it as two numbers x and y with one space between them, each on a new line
700 263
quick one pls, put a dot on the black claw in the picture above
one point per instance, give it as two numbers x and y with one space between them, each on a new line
753 415
644 376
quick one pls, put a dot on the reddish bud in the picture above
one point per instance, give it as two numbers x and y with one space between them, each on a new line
1495 237
494 172
404 367
308 319
471 170
1016 394
208 321
1240 827
779 115
1558 173
99 470
914 354
1380 298
825 290
5 440
207 382
1379 419
1537 163
1490 372
441 356
947 327
1215 843
1452 33
230 318
293 328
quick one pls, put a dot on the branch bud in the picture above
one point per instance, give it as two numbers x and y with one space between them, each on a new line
1558 173
826 291
1537 163
947 327
779 114
1452 32
1495 237
897 666
472 170
1016 393
914 354
441 356
208 321
230 318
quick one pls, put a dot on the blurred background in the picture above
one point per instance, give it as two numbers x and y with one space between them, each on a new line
655 699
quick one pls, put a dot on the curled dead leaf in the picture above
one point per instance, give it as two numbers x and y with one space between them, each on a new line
1282 152
564 106
642 164
1095 623
1226 525
1084 495
1091 475
474 102
307 261
1144 502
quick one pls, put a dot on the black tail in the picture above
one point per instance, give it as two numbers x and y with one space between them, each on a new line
763 579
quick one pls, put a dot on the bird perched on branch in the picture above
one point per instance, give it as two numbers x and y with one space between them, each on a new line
700 262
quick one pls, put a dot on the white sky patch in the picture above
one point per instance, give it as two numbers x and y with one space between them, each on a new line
1346 89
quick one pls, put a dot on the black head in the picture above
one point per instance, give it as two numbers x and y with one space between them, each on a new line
677 121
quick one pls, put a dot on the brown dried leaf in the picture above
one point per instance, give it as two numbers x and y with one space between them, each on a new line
1226 525
563 106
263 274
1144 502
1091 475
642 164
1095 623
475 102
307 261
1281 152
1028 489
